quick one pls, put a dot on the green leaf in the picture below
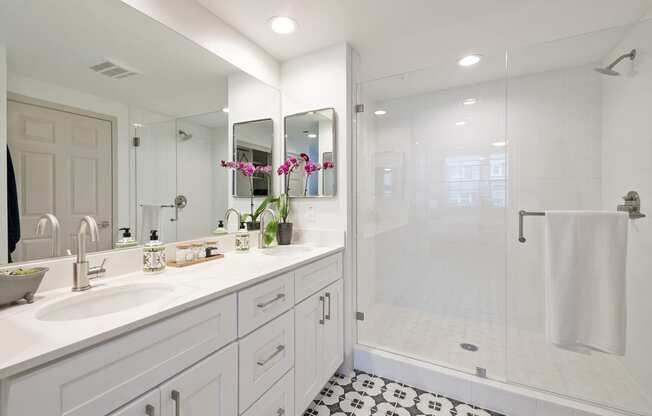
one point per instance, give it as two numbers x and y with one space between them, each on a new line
284 206
270 199
270 232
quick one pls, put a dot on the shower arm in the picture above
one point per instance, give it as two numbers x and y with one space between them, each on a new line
631 55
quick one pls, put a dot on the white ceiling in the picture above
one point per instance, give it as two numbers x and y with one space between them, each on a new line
57 42
393 36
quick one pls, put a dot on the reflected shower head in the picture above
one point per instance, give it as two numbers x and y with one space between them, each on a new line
184 135
609 70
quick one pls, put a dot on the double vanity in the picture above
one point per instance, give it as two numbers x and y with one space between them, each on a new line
254 334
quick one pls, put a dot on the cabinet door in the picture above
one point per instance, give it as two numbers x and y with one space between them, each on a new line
333 331
147 405
309 323
207 388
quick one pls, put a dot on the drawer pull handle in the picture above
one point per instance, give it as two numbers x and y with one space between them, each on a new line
279 349
323 310
280 412
176 396
328 315
269 302
150 410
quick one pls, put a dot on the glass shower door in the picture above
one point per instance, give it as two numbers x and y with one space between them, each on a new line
431 198
580 140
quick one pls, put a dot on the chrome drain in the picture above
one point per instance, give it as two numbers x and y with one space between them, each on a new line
469 347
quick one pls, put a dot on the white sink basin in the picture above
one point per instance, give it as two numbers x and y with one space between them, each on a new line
103 301
286 250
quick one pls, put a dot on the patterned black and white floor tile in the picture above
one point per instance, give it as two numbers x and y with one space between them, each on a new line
361 394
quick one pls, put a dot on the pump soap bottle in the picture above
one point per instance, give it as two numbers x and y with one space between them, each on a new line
126 240
154 255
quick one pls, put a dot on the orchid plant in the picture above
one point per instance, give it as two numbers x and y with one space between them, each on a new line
248 170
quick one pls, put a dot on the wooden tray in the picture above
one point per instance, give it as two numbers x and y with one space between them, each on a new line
173 263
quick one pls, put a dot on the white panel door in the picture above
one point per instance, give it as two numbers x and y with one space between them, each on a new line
147 405
333 335
308 317
207 388
62 163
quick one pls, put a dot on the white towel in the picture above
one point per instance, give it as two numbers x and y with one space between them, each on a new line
150 221
586 280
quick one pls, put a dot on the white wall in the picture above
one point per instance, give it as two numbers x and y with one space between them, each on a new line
198 24
68 97
3 153
318 80
627 165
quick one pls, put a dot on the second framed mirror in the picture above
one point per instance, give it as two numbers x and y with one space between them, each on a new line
310 137
253 143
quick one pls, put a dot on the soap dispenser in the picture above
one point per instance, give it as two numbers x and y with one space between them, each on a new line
242 238
126 240
220 230
154 255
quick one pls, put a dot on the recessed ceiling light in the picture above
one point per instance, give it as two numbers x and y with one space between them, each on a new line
470 101
387 170
312 135
380 112
499 144
469 60
137 125
225 110
282 25
460 123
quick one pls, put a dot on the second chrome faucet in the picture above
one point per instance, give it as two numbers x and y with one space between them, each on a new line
82 273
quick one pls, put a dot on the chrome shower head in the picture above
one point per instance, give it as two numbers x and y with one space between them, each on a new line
184 136
609 70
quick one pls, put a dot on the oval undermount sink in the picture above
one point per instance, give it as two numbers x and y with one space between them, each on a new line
286 250
103 302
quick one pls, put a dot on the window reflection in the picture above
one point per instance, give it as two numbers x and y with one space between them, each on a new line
476 181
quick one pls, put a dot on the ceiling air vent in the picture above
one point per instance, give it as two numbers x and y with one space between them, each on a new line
113 70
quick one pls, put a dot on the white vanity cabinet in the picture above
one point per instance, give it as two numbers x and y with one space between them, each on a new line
319 347
266 350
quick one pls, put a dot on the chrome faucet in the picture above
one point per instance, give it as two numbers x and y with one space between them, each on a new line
263 225
226 218
41 225
81 271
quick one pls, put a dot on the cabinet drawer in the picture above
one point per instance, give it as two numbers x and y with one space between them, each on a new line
92 382
278 401
264 302
265 355
315 276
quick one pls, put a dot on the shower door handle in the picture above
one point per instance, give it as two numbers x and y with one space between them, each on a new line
180 202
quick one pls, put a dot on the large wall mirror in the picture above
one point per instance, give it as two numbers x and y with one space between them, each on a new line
127 122
310 137
253 142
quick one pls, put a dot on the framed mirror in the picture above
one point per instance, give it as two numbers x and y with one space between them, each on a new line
310 137
120 130
253 142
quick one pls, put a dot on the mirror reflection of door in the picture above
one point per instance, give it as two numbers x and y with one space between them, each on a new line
62 164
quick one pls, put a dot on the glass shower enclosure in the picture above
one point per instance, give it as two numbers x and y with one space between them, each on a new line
446 157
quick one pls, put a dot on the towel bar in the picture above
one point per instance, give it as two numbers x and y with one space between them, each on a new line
632 206
522 214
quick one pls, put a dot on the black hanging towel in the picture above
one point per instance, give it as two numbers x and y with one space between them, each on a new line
13 216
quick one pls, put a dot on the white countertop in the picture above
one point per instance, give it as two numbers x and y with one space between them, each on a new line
28 342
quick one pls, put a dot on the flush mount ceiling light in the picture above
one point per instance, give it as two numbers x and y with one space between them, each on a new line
469 60
460 123
499 144
470 101
137 125
387 169
282 25
312 135
225 110
380 112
